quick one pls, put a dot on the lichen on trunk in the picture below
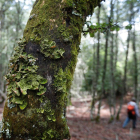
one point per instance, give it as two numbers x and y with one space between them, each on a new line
41 70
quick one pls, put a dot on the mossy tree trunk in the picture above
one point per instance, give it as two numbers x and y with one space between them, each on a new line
41 70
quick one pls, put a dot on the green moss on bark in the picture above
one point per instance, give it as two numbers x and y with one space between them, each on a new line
23 77
49 49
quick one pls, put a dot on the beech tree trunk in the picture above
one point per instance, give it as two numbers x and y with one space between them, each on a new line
97 68
112 97
135 65
41 70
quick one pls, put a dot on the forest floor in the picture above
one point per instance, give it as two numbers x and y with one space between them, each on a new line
82 128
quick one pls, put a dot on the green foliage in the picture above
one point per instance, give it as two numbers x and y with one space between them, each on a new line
128 27
102 27
91 34
110 22
23 105
90 74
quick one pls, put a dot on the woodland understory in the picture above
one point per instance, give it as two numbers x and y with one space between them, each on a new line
41 79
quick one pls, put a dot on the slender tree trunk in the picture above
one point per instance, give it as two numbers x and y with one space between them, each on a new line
135 65
3 9
104 76
1 76
2 15
97 67
93 87
116 48
2 94
2 29
112 97
98 50
116 58
127 50
41 71
112 94
18 20
105 64
138 98
126 59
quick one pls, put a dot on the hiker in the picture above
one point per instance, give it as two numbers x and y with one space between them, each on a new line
133 113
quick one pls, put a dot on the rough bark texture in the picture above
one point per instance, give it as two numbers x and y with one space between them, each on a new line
41 70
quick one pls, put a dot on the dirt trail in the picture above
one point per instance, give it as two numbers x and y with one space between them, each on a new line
82 128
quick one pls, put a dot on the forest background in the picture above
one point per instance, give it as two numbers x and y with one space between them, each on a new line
108 65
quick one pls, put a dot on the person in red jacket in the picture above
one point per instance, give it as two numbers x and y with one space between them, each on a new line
133 113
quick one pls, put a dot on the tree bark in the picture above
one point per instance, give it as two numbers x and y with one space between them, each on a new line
41 70
116 55
104 75
128 44
125 67
105 63
94 85
135 65
112 101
